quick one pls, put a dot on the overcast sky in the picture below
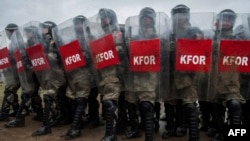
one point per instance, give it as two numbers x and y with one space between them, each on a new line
23 11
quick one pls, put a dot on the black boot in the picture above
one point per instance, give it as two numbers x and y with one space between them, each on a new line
93 110
170 127
75 129
134 131
234 111
148 111
192 115
157 108
218 112
110 116
122 115
5 109
15 106
181 129
45 128
20 118
205 115
36 104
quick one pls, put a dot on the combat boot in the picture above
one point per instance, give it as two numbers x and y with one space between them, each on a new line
181 129
170 127
134 131
15 106
148 111
191 112
19 121
110 116
75 129
45 128
218 116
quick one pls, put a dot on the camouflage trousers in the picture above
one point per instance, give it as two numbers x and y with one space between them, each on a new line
79 84
133 97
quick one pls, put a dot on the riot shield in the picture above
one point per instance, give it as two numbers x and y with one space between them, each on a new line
106 45
7 63
23 64
148 48
231 73
191 33
74 55
43 57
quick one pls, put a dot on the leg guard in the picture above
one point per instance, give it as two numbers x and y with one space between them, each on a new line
157 108
191 112
110 107
20 121
235 111
170 127
122 114
181 129
45 128
133 122
218 113
148 112
7 101
75 129
93 110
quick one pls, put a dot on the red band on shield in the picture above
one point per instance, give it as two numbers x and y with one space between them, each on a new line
144 56
104 52
234 56
193 55
19 62
72 56
4 58
38 58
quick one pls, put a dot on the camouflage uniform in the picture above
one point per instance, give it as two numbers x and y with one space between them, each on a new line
11 82
225 86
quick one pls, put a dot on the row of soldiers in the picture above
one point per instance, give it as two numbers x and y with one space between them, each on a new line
74 61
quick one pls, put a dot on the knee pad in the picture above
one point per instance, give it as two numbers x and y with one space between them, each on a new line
110 105
234 105
146 106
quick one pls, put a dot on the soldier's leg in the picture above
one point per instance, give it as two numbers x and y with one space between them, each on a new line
75 128
148 112
133 118
36 104
234 111
170 119
205 115
49 110
218 113
181 129
122 114
157 108
93 110
15 105
19 121
7 100
190 108
246 113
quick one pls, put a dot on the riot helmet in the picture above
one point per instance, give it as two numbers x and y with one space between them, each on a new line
78 23
108 19
10 28
225 20
180 18
147 17
46 27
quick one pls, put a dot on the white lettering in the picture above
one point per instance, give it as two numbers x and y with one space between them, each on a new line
235 60
72 59
4 61
19 64
144 60
243 131
193 59
37 62
107 55
231 132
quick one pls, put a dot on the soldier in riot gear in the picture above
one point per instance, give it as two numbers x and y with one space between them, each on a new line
12 83
183 84
28 80
51 77
145 29
108 78
226 88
